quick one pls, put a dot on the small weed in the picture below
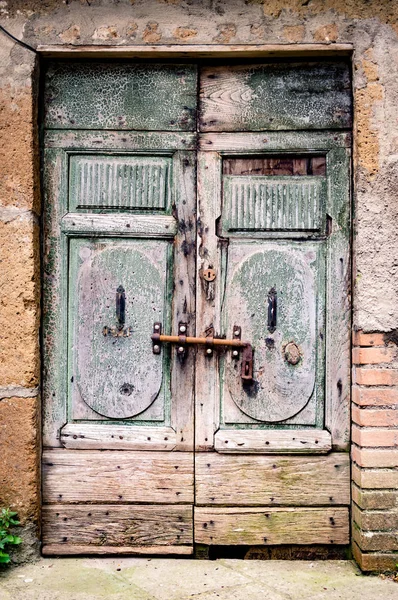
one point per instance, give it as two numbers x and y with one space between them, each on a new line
8 519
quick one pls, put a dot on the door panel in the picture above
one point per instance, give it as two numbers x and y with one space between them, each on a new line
286 352
275 96
106 95
113 368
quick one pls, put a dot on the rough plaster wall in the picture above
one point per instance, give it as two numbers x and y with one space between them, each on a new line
370 25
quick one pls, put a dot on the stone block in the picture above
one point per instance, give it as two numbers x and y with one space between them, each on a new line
19 458
20 299
19 157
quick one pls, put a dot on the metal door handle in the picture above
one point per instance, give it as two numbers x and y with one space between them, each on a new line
210 342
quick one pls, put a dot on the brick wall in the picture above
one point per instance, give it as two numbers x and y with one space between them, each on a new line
375 451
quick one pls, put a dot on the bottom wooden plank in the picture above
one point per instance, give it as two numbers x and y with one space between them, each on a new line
110 526
271 526
68 550
294 441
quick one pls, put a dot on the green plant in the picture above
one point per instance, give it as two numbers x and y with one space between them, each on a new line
7 520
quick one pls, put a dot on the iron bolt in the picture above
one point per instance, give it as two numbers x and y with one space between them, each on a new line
181 350
182 329
156 348
235 353
156 327
209 351
236 333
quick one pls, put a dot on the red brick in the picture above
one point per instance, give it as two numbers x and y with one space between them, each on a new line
376 376
375 562
366 457
374 541
376 479
374 436
374 417
374 499
367 339
373 356
375 520
374 397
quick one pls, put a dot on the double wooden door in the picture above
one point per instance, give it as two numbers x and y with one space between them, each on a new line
196 306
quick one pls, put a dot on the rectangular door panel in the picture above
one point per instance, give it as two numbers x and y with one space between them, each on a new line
106 95
275 96
116 527
271 526
100 477
233 480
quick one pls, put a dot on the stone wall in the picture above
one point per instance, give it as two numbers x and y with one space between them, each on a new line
371 26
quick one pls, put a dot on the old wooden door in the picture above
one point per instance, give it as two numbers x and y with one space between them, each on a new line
135 460
119 257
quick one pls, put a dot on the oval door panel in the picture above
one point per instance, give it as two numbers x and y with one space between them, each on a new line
272 296
115 371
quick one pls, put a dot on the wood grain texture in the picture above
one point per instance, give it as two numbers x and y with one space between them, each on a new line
119 225
118 526
255 143
338 315
271 526
195 50
119 141
275 97
183 302
275 165
106 95
292 441
73 476
117 437
250 480
69 550
209 297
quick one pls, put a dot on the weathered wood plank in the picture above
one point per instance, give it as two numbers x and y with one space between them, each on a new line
117 526
106 95
251 480
120 141
271 526
236 143
184 297
292 441
275 97
69 550
119 225
209 294
338 314
117 437
73 476
275 165
195 50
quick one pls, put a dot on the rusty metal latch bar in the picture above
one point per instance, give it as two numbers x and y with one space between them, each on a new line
210 342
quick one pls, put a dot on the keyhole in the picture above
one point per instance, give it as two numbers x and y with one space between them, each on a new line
209 274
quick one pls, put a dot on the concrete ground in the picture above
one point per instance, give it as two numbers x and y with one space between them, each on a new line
185 579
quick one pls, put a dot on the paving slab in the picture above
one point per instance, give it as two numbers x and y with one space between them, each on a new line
185 579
